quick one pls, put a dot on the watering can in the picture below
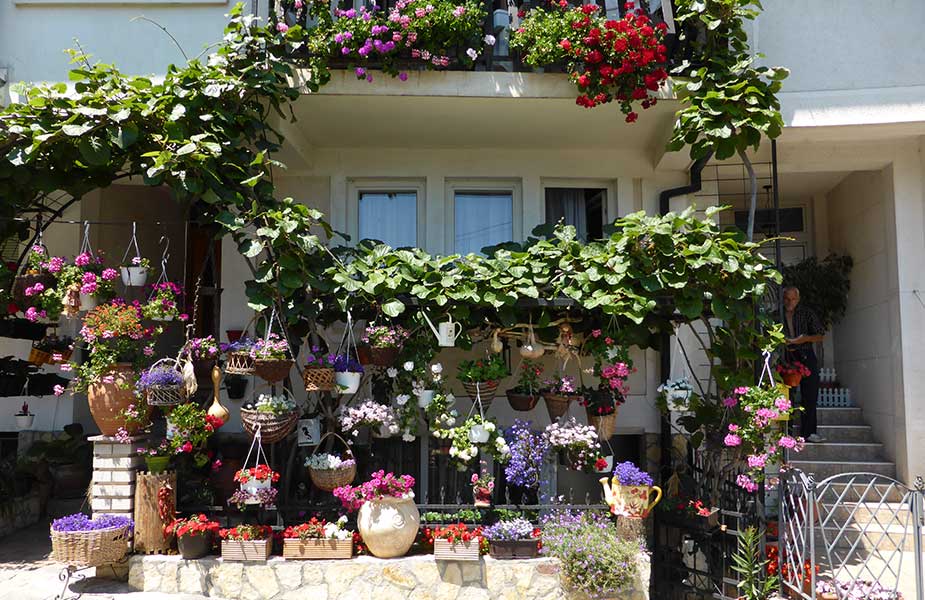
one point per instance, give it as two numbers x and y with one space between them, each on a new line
447 332
630 500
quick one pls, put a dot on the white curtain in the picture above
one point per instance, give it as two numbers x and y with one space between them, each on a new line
482 219
389 217
567 205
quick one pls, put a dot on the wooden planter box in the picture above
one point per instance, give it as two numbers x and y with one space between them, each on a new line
513 549
246 550
317 549
467 551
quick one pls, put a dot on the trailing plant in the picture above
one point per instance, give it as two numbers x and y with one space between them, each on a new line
465 442
528 453
368 413
511 530
380 485
528 378
823 284
579 441
193 427
164 304
482 370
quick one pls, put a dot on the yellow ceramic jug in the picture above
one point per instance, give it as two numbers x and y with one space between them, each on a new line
630 500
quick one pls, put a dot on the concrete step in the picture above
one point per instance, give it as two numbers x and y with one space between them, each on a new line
824 469
842 451
847 433
881 513
848 493
886 540
840 416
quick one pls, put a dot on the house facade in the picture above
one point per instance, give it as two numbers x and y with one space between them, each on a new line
452 161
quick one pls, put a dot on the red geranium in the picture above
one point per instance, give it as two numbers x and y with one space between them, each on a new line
258 473
246 532
458 533
193 525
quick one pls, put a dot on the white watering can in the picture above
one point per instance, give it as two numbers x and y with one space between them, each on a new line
447 332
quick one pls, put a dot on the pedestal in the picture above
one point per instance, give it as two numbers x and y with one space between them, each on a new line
114 468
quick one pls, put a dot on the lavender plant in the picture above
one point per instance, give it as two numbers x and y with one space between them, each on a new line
158 376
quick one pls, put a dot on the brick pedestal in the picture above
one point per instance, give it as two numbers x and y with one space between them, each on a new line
114 467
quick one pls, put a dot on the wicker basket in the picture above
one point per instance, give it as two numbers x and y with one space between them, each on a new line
166 395
273 370
485 390
557 404
606 425
318 379
317 549
39 357
329 479
239 363
273 428
89 548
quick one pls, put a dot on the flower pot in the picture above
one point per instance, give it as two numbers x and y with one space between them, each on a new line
246 550
108 400
459 550
252 485
425 398
348 381
381 357
389 526
318 379
24 422
236 386
134 276
317 549
633 500
194 546
483 390
478 434
482 497
88 302
557 405
510 549
273 370
39 357
609 467
522 402
157 464
163 319
606 425
791 379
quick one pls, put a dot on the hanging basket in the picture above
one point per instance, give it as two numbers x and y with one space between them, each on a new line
21 282
273 428
791 379
522 402
166 395
239 363
380 357
89 548
318 379
557 404
485 390
39 357
329 479
606 425
273 370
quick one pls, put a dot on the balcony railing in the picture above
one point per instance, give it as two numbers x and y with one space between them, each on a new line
501 57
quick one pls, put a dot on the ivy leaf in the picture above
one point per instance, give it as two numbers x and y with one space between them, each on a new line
250 248
393 307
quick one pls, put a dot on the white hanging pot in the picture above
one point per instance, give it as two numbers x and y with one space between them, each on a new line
134 276
679 395
88 302
252 485
348 381
166 319
24 422
531 348
425 397
609 467
478 434
171 430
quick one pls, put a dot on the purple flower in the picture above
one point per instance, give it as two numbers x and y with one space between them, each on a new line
629 474
509 531
528 451
343 364
81 522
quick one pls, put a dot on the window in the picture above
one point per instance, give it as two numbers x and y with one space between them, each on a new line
482 219
390 217
582 208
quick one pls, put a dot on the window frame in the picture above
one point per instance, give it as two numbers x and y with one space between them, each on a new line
610 205
392 185
512 186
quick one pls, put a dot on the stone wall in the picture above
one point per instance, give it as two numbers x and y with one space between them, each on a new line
20 512
362 578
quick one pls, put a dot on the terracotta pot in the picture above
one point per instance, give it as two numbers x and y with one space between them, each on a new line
791 379
108 400
388 526
194 546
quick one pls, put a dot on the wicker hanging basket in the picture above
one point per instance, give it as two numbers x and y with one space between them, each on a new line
329 479
39 357
485 390
166 395
557 404
318 379
273 370
89 548
273 428
239 363
606 425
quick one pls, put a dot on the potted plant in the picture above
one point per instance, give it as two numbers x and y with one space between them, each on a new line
483 485
79 540
474 434
630 491
246 542
203 352
238 356
348 373
236 385
256 487
330 471
601 406
37 284
318 539
379 418
86 283
189 428
318 374
512 538
480 377
528 454
162 384
382 344
576 442
24 418
157 455
388 519
164 302
271 358
525 395
195 535
277 416
457 542
793 372
559 392
135 272
117 344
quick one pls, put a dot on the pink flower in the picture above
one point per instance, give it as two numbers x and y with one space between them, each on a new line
297 4
733 427
757 461
732 440
741 390
82 259
36 249
730 401
88 288
148 351
282 27
596 333
787 442
475 477
745 482
459 11
66 367
782 404
109 274
216 464
403 76
58 389
108 379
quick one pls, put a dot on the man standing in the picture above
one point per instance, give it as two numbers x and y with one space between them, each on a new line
802 328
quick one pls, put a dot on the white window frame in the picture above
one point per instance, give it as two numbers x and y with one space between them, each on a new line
610 185
485 186
360 185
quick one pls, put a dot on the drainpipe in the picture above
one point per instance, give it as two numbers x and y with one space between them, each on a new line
664 199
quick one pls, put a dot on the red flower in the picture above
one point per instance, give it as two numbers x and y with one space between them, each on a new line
565 45
631 117
600 464
186 447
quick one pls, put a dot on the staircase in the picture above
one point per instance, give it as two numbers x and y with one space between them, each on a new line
849 447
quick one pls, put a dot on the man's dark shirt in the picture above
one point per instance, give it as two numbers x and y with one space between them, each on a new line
805 322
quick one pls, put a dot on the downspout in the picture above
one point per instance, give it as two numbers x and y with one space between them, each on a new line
695 185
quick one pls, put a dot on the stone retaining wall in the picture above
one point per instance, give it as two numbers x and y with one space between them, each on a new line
362 578
20 512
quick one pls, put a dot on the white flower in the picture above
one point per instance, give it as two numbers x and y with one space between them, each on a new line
489 40
489 426
409 366
436 368
392 372
453 451
393 429
472 53
407 437
402 399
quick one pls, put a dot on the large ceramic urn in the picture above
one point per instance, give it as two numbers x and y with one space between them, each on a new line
111 395
389 526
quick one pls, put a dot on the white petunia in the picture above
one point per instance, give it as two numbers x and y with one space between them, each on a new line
392 372
489 426
489 40
472 53
402 399
409 366
407 437
436 368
